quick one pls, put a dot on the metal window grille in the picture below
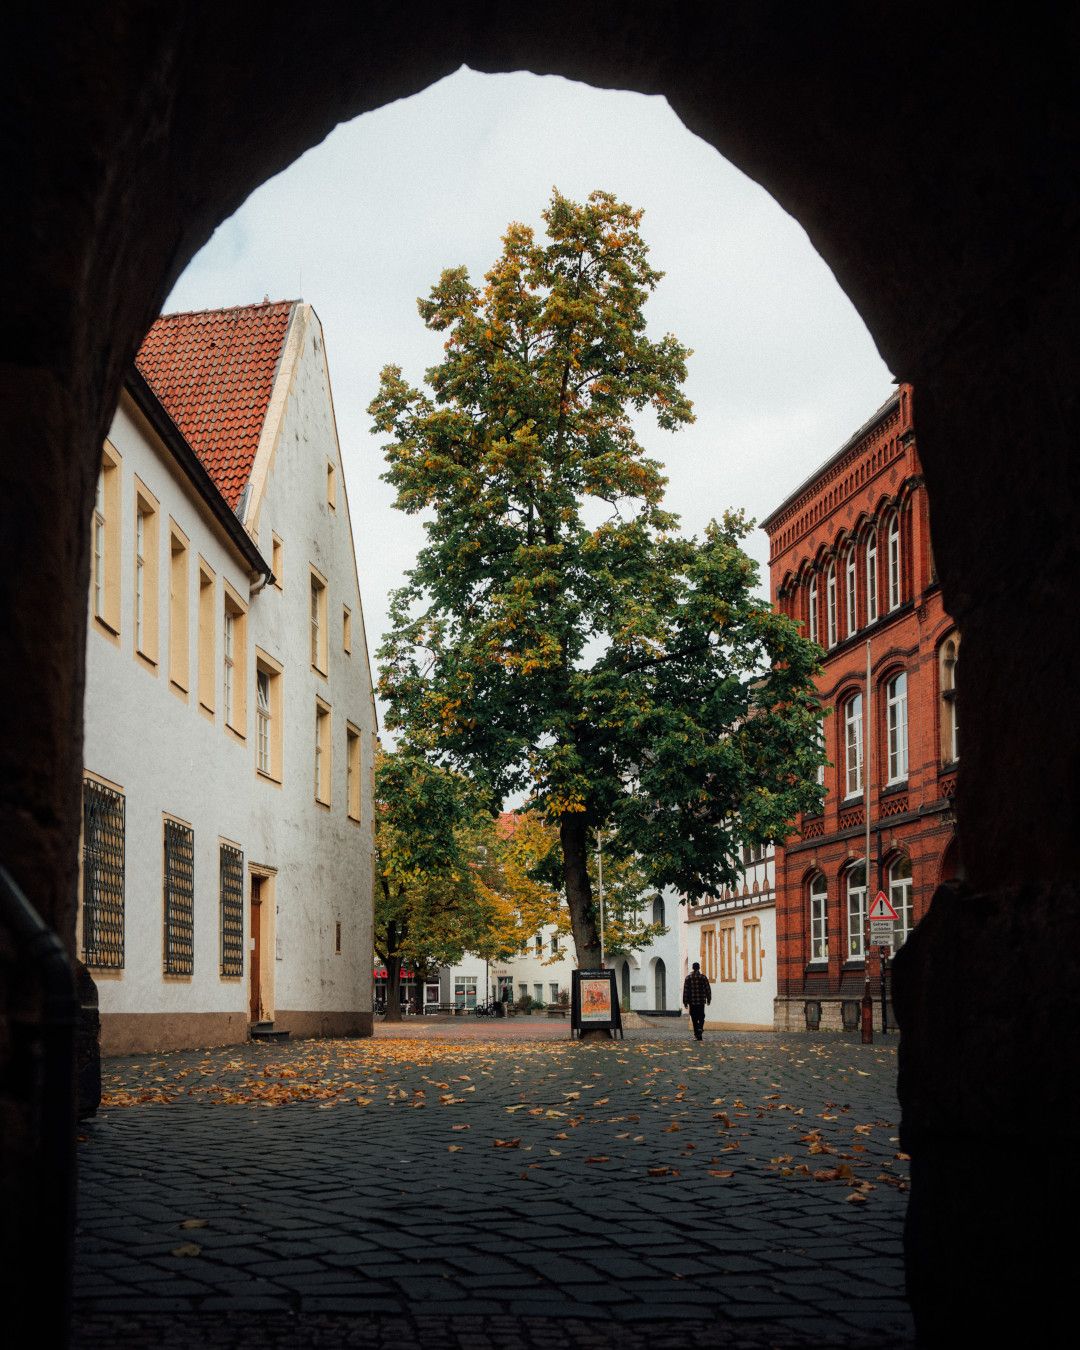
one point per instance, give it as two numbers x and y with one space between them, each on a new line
232 910
179 888
103 876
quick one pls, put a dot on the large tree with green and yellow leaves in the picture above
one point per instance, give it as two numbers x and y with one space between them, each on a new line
558 634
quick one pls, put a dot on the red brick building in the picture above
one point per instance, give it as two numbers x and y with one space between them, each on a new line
850 558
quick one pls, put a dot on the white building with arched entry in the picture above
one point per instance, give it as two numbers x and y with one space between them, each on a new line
648 979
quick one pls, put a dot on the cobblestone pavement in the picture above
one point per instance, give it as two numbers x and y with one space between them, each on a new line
495 1194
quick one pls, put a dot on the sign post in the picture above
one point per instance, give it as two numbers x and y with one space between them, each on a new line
594 1003
883 916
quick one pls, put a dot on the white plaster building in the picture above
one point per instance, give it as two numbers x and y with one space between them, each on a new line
229 725
649 980
733 937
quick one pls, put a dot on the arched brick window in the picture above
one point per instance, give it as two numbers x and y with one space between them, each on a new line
895 589
833 627
855 888
948 657
900 894
819 918
812 625
850 592
852 758
871 576
896 728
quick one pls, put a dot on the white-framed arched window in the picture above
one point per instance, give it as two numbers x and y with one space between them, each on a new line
895 589
896 717
855 885
819 919
950 730
812 624
871 577
830 604
851 592
853 746
900 896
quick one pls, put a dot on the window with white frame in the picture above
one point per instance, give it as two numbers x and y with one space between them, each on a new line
894 561
105 544
538 993
813 627
830 604
950 731
465 991
855 882
896 712
819 919
853 746
319 658
554 944
234 662
262 720
553 991
871 577
228 640
851 592
820 772
901 898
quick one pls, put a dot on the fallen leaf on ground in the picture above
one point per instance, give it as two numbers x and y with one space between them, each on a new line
195 1223
721 1172
506 1143
187 1249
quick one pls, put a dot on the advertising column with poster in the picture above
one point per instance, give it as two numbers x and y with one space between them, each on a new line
594 1003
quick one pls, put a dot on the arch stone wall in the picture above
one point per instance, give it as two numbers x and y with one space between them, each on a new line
930 153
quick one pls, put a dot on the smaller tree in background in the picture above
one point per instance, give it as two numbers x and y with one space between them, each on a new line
449 876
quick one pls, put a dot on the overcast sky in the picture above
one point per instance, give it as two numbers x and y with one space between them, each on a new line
783 368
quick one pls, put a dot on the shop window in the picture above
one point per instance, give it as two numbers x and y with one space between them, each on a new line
819 919
465 991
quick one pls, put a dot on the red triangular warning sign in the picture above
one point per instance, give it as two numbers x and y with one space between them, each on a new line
881 908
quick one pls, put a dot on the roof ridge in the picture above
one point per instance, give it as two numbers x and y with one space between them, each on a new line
226 309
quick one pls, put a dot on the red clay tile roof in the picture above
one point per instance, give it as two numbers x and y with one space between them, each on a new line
214 373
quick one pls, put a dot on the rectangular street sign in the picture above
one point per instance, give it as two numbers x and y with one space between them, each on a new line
881 932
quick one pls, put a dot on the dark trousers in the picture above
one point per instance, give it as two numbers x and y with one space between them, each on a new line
697 1018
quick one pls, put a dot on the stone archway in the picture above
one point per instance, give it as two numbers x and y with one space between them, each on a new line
930 156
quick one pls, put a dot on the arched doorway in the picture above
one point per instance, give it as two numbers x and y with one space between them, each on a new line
960 299
660 985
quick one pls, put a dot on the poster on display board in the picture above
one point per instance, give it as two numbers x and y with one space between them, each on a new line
594 1002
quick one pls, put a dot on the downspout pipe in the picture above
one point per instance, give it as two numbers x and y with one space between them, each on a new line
51 1078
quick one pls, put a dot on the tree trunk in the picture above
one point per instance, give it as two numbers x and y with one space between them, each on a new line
573 834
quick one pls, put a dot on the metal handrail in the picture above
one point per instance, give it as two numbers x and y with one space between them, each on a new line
55 1217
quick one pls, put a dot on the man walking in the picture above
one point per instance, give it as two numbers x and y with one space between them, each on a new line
696 992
